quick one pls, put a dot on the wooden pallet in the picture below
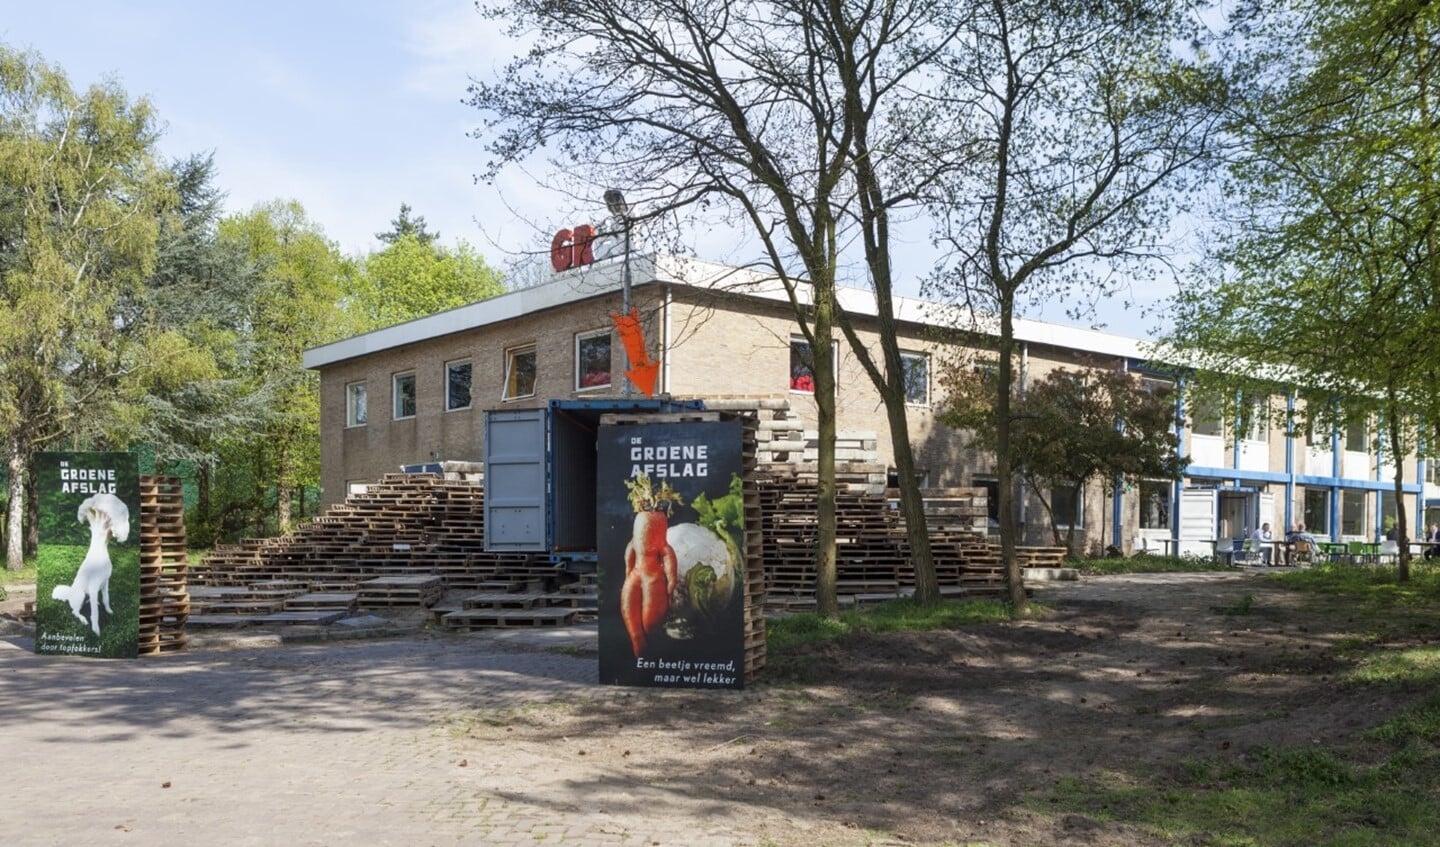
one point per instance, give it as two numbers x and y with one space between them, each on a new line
472 619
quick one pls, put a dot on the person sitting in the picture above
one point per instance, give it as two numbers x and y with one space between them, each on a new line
1306 547
1432 539
1262 538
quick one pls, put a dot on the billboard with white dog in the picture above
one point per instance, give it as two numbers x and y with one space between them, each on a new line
87 590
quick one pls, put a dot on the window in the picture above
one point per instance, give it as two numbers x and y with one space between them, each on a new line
457 385
404 395
1352 513
1355 440
520 372
1256 425
1206 419
1389 518
1065 503
355 410
1317 511
992 501
592 360
802 367
915 373
1156 386
1154 504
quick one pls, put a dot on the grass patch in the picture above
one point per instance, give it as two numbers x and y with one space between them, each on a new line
24 576
1147 563
895 616
1285 797
1369 588
1244 606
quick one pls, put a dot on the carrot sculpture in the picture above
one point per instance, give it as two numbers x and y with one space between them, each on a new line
650 567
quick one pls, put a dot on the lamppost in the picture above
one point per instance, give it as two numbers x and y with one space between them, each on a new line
615 202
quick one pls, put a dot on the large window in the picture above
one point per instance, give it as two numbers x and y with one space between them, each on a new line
1355 440
1154 504
802 366
915 369
1066 504
1256 425
1352 512
457 385
404 395
520 372
1207 419
1317 511
355 409
592 360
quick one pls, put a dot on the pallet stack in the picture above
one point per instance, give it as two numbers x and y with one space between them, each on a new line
164 590
402 542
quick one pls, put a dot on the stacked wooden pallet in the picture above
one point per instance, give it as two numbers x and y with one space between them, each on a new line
164 590
873 555
406 525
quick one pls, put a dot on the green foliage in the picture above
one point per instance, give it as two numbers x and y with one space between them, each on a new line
1420 722
1071 427
81 200
298 275
1369 589
1327 277
413 277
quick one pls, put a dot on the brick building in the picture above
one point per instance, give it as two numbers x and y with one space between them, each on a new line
416 393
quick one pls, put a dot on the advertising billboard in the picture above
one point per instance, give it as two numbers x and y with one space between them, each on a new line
87 590
670 536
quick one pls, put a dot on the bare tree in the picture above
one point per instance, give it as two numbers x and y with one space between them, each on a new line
794 115
1082 122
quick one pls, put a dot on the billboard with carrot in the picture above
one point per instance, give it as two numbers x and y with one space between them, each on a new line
670 534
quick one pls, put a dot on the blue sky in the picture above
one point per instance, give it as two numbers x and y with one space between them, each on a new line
350 109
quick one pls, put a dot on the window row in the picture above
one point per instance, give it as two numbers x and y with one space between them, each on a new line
592 371
915 372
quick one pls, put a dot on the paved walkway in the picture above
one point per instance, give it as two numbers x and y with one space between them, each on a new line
314 744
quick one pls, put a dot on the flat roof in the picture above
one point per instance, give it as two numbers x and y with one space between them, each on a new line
605 277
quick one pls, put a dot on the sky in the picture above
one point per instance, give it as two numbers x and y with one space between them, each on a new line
350 108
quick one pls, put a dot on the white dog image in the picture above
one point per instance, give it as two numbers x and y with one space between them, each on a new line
108 517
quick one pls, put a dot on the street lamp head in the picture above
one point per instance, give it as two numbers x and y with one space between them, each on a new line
615 202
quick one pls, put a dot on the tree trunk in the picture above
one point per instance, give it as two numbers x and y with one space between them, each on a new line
1402 534
1014 581
282 491
15 509
827 602
32 518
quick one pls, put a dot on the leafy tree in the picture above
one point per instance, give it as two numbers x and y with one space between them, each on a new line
793 116
199 300
413 277
81 196
1327 275
1071 428
1068 126
298 276
404 226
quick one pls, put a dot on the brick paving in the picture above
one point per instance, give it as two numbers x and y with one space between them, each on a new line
323 744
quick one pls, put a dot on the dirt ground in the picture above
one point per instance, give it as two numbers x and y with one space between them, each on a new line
956 737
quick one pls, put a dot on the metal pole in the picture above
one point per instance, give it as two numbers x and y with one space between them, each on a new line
625 298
